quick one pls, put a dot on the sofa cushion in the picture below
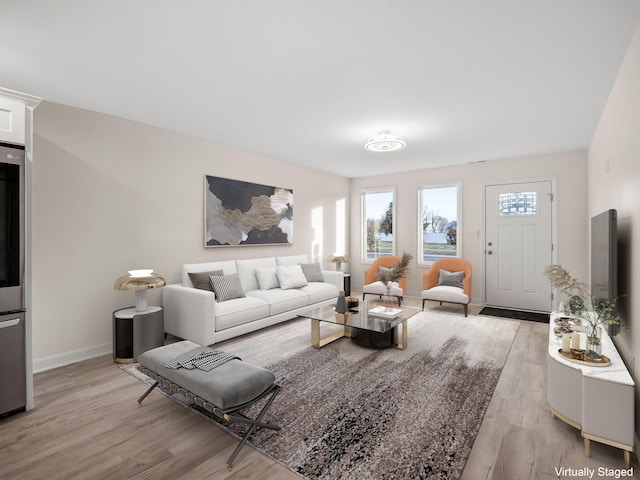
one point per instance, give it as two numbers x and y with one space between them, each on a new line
379 288
227 267
280 300
312 272
451 279
247 271
226 287
320 291
240 311
292 260
202 281
445 293
291 277
267 278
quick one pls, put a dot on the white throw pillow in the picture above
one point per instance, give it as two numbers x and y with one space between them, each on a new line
291 277
267 278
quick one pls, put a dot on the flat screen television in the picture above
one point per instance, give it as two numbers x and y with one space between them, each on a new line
604 259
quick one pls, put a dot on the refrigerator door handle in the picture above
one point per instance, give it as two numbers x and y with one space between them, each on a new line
9 323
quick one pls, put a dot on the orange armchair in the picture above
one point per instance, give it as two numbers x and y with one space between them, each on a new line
432 290
376 287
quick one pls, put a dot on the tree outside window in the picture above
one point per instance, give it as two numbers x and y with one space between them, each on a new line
378 223
439 222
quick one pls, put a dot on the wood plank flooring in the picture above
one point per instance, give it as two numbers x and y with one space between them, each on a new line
88 425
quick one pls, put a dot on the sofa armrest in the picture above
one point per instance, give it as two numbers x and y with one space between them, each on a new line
189 313
334 277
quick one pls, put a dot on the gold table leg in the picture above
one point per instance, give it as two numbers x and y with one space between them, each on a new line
403 343
317 342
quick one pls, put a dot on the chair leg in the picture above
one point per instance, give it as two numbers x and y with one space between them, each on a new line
363 294
423 300
399 301
465 309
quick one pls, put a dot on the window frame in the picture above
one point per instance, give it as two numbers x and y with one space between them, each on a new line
420 238
363 221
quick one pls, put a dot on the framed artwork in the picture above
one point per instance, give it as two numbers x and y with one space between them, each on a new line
243 213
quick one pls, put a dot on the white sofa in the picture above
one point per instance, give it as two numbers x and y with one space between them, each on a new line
195 314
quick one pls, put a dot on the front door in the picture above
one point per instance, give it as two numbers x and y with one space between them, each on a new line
518 245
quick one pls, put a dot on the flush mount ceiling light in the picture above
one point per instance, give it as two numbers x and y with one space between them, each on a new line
385 141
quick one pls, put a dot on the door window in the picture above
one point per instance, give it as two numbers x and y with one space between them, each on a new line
520 203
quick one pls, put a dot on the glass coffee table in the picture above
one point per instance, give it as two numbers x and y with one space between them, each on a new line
370 324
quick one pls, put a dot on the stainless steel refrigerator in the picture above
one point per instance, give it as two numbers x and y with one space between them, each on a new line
12 268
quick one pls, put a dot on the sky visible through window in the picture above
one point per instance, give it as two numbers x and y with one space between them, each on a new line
442 199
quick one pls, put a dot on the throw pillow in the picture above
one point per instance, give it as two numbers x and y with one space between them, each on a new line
226 287
384 273
312 272
267 278
291 277
451 279
201 280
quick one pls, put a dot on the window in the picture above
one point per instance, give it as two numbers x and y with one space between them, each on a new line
439 222
378 223
522 203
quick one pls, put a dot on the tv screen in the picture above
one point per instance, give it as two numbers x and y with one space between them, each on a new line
604 259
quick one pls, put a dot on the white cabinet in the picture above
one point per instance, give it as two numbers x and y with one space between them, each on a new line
12 121
15 116
599 401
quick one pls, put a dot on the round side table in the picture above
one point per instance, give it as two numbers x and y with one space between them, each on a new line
135 332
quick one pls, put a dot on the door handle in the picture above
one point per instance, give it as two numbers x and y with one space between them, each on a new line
9 323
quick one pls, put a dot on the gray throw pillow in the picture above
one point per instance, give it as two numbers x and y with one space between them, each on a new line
201 280
384 274
451 279
312 272
226 287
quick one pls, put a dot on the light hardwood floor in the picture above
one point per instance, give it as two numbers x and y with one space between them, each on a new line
87 425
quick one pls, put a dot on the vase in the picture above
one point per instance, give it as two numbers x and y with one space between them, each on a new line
594 344
341 304
388 299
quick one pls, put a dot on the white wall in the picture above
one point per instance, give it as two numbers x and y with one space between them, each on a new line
110 195
568 169
614 182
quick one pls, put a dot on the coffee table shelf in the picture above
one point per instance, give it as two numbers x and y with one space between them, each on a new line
358 319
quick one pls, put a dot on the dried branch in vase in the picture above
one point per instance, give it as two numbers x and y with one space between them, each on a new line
401 269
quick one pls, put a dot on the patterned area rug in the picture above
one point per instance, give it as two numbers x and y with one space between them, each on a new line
351 413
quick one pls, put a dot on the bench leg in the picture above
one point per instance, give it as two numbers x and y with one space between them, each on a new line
144 395
254 425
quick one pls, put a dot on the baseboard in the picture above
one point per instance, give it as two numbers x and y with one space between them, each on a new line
67 358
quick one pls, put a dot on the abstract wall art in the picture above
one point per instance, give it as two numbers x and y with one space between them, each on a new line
242 213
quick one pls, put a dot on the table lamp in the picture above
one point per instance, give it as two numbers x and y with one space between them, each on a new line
140 281
338 260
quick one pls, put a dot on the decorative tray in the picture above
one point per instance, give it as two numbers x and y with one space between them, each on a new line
606 361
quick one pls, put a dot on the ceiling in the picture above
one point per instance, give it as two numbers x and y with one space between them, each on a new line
309 82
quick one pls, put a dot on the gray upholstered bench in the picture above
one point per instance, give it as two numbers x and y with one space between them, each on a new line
224 391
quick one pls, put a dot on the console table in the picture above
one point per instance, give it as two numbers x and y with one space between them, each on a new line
599 401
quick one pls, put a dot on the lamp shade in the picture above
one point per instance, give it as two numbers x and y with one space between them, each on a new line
338 260
140 284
